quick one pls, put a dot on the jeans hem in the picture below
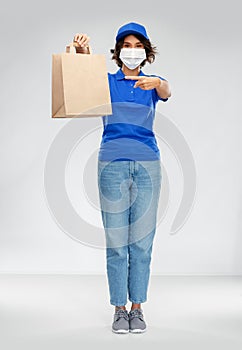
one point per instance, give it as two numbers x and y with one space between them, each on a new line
117 304
139 301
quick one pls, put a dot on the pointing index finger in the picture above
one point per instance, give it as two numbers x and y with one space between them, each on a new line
133 77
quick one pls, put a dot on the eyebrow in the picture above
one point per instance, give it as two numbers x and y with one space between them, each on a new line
128 42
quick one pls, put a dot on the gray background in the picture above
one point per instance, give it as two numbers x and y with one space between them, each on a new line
200 54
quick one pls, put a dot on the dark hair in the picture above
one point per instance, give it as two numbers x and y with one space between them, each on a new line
149 49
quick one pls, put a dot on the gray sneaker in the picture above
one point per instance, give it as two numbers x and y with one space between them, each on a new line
120 321
136 321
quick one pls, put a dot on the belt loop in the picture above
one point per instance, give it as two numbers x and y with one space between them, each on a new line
136 166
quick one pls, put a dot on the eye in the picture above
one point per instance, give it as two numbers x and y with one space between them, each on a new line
126 45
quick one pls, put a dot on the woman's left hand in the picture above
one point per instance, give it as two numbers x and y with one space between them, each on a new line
145 83
149 83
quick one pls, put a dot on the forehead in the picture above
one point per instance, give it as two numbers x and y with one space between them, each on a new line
132 39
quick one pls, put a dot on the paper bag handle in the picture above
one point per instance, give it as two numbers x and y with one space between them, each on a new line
71 48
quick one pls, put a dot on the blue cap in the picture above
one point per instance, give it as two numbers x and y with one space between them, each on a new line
131 28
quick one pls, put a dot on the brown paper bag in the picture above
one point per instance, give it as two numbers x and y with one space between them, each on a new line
79 85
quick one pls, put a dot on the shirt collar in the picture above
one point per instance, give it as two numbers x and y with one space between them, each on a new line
120 75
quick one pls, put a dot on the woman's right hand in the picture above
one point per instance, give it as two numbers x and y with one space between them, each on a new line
81 39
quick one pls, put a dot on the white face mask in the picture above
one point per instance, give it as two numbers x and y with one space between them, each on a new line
132 58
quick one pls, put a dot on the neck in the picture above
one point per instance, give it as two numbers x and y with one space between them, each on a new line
131 72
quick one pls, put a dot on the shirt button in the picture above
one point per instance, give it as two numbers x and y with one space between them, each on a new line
132 92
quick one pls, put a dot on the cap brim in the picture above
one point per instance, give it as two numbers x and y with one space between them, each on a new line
129 32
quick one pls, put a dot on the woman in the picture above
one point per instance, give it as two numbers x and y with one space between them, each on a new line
129 173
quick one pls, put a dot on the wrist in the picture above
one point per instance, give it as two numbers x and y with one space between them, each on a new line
84 49
159 83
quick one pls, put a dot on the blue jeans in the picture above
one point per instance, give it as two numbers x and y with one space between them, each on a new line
129 193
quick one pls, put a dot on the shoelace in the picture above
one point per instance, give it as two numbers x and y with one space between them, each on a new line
136 313
122 313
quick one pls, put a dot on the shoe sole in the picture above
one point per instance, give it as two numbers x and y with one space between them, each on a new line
120 331
137 330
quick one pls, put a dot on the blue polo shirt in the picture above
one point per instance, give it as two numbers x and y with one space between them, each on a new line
128 131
